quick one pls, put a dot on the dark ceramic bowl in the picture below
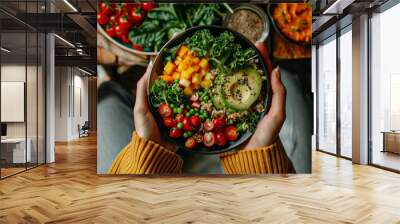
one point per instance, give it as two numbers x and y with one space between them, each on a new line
157 69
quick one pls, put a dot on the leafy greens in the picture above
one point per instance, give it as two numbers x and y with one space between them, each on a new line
167 19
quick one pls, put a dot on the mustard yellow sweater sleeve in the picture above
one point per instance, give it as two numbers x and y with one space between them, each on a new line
143 156
267 160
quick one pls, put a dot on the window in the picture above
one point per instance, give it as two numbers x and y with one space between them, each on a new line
385 89
327 96
346 93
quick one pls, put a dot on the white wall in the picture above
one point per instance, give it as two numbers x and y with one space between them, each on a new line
71 102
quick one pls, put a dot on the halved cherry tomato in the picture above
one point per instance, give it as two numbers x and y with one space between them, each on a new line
123 22
194 97
209 139
220 139
195 121
175 132
186 124
196 104
165 110
190 143
219 123
169 122
137 47
110 29
231 133
148 6
137 15
102 18
208 125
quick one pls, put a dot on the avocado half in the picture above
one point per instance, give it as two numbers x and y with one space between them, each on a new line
239 90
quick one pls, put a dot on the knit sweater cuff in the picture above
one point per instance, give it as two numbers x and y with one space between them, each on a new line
267 160
143 156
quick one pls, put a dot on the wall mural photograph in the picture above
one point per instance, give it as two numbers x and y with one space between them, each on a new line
204 88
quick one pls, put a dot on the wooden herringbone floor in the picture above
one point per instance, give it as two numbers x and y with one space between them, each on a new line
69 191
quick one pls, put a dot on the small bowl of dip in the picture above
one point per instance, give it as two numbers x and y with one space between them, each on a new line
249 20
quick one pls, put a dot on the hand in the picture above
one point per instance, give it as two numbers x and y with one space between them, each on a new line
268 129
145 124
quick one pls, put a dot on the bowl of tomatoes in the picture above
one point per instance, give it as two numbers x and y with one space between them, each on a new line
208 89
116 21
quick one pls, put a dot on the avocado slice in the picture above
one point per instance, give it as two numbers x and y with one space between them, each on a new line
240 90
216 93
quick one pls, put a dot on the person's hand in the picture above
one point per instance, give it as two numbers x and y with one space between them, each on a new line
269 127
145 124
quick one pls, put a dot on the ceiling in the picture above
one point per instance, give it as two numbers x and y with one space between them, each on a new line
332 15
72 20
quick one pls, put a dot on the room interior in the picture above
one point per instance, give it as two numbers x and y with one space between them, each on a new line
48 92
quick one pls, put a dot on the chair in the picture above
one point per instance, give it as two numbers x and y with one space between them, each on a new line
84 130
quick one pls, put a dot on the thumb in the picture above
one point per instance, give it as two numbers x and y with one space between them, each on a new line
141 89
278 101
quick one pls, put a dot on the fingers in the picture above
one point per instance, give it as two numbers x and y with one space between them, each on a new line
141 90
264 52
278 102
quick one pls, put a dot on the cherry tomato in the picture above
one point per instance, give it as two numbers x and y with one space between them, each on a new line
137 15
179 117
148 6
169 122
195 121
175 132
110 29
137 47
124 23
102 18
127 6
165 110
219 123
113 19
186 124
196 104
220 139
190 143
208 125
105 8
194 97
209 139
231 133
120 33
125 39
